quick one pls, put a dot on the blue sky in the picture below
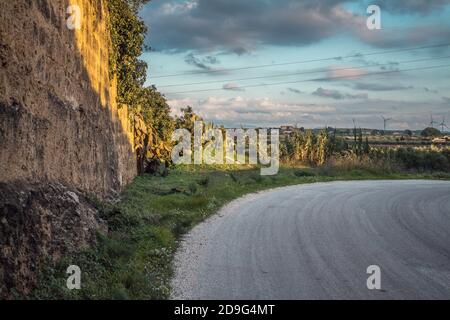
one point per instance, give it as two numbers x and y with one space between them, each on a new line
249 62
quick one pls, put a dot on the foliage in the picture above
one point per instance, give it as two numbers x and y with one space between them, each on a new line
430 132
127 37
149 111
156 115
420 160
309 148
327 150
187 119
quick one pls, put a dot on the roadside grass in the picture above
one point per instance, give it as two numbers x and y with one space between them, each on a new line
134 261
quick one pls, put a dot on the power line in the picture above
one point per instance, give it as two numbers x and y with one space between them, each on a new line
357 55
300 73
316 79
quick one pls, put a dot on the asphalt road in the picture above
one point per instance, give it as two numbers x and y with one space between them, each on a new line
316 242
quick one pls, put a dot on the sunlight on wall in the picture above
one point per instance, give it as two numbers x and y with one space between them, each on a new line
93 42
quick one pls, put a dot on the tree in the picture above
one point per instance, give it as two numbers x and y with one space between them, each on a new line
187 119
366 146
156 115
156 112
148 109
430 132
127 32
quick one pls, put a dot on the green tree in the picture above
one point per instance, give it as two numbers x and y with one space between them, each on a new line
430 132
187 119
156 112
408 133
156 115
149 111
127 38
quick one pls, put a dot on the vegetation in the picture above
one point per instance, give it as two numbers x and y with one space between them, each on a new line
127 38
325 149
430 132
187 119
149 112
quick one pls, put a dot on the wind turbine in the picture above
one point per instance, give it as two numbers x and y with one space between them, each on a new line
443 125
385 121
432 122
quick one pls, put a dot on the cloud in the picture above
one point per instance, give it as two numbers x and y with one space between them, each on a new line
404 36
345 72
412 6
426 89
296 91
237 26
379 86
266 111
201 63
241 26
232 87
361 59
253 111
338 95
446 99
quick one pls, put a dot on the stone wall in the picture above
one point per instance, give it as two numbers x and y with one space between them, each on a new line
62 136
58 116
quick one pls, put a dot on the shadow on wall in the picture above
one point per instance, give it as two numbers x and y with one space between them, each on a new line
58 117
60 133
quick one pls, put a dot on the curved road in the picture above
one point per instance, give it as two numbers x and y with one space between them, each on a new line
316 241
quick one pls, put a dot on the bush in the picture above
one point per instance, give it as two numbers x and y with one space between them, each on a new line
423 160
430 132
302 173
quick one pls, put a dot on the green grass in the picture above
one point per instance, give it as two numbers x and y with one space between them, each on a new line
134 260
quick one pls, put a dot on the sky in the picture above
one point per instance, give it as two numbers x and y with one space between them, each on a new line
311 63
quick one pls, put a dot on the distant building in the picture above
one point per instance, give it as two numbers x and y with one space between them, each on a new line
287 128
440 140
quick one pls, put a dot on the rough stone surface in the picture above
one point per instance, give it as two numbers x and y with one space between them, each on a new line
39 222
62 134
58 117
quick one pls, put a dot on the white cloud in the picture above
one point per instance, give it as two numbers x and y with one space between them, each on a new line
252 111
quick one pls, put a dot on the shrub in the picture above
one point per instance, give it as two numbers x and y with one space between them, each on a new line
302 173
